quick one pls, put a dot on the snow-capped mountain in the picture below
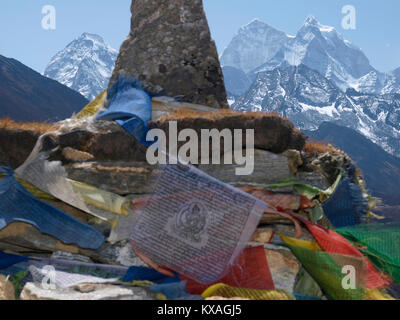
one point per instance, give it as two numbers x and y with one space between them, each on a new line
323 49
315 45
85 65
309 99
253 45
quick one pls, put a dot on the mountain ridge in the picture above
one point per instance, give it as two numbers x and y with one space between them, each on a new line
253 44
26 95
307 98
319 47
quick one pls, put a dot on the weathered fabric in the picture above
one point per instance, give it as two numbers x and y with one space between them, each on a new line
194 224
333 243
16 204
172 290
346 206
93 107
8 260
382 245
222 290
307 190
147 274
326 269
130 107
250 271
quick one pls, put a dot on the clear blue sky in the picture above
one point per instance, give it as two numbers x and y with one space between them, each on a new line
22 37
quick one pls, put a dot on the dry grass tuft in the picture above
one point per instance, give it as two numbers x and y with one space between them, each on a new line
319 147
39 127
186 113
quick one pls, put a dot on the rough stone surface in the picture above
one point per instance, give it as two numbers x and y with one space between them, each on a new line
20 238
170 50
138 178
107 141
16 145
33 291
269 168
6 289
284 268
17 237
271 132
117 177
104 140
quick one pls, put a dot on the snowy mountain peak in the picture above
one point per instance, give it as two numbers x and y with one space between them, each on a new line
323 49
85 65
255 21
92 37
254 24
308 98
311 21
254 44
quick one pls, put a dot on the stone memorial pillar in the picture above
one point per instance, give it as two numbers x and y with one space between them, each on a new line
170 50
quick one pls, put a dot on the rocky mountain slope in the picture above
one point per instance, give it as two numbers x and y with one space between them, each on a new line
309 99
253 45
85 65
323 49
26 95
258 47
236 81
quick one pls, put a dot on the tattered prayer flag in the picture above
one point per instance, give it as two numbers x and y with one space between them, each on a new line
8 260
222 290
17 205
382 245
93 107
146 274
346 206
250 271
130 106
65 279
332 242
327 269
194 224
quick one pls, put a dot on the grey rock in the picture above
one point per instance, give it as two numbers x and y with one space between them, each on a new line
118 177
170 50
268 168
284 268
138 178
